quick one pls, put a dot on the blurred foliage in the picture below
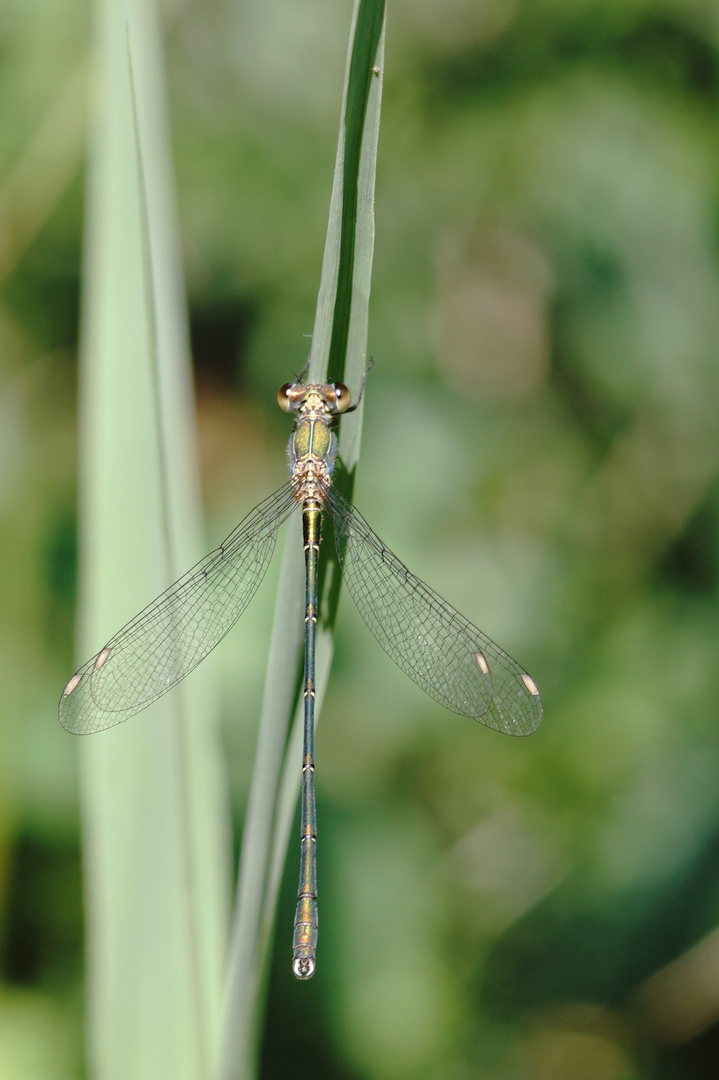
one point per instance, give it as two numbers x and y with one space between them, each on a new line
541 445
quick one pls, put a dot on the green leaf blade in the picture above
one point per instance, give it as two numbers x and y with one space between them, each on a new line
156 827
339 353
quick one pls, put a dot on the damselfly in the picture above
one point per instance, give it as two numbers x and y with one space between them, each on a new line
448 657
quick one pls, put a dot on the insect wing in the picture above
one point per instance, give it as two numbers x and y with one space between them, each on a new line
440 650
170 637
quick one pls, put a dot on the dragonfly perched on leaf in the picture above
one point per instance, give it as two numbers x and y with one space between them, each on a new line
448 657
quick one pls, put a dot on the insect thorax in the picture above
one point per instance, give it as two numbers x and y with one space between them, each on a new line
312 450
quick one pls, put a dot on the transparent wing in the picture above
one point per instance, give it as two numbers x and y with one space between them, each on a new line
448 657
170 637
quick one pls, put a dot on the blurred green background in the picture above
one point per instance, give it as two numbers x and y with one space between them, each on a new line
541 444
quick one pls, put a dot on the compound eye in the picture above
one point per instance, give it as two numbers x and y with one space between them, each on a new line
343 398
283 397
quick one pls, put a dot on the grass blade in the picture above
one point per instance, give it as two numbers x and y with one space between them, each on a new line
339 353
155 820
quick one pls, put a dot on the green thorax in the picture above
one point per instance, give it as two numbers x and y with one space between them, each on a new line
312 440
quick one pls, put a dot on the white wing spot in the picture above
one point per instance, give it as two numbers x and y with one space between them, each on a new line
101 658
530 684
72 683
481 663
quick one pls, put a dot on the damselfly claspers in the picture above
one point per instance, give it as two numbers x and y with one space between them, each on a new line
448 657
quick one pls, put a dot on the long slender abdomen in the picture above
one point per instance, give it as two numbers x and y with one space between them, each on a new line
305 935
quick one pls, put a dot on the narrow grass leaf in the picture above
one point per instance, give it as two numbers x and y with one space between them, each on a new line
339 352
154 814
